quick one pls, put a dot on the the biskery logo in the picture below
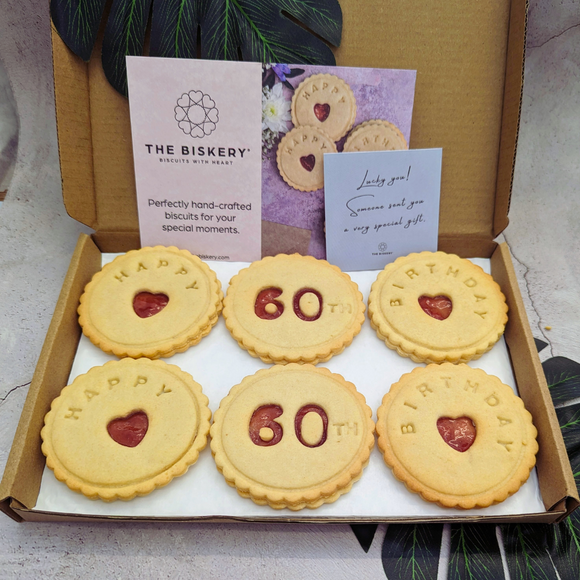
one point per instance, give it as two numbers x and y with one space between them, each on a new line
196 114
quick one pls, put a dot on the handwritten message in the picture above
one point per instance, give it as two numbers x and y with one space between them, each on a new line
380 205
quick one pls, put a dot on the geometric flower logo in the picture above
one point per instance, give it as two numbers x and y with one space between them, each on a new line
196 114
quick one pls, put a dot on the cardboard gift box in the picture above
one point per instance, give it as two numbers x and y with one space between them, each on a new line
469 61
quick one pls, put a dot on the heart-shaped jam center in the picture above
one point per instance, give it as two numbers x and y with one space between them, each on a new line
308 162
130 430
438 307
322 111
146 304
458 433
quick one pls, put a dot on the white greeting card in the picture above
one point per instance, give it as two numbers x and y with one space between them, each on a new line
380 205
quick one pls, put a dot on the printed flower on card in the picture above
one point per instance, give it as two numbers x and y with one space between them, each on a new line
275 106
275 109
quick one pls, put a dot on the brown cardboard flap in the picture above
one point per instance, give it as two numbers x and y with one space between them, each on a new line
466 246
38 516
117 241
459 51
554 472
21 480
510 122
468 57
71 93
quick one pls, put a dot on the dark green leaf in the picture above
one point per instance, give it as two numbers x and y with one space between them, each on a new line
365 534
540 344
563 377
412 551
569 419
474 553
574 457
564 546
526 548
267 35
174 27
77 22
124 35
293 31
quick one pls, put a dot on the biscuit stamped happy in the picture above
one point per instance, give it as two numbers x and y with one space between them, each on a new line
151 302
125 428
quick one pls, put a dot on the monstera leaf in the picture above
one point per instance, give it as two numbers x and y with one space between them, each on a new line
257 30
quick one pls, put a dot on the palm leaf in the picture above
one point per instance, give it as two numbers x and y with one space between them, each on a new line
411 552
124 35
540 551
569 419
564 547
474 553
77 22
563 377
174 26
527 554
293 31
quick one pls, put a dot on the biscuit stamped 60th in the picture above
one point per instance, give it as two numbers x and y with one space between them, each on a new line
292 308
293 436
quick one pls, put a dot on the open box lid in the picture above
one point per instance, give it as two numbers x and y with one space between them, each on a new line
469 60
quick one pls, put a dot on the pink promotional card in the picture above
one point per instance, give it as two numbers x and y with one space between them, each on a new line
229 155
197 154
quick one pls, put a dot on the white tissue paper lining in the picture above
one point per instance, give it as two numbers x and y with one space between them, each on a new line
203 492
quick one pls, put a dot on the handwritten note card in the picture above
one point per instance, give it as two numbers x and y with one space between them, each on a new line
380 205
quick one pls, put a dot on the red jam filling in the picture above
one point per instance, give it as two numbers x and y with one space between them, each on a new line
308 162
459 433
322 111
146 304
130 430
263 420
266 306
298 424
438 307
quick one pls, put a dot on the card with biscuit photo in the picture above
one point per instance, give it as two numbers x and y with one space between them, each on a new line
308 111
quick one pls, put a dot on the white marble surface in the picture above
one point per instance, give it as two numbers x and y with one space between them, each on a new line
37 239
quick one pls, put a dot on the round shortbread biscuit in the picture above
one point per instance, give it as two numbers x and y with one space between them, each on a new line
108 317
326 102
476 322
498 458
293 308
375 135
300 157
83 454
292 437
